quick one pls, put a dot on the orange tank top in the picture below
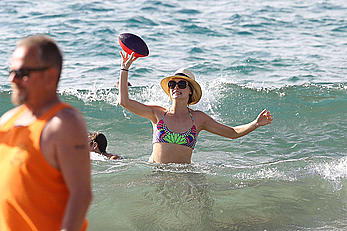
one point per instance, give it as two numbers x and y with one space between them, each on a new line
33 194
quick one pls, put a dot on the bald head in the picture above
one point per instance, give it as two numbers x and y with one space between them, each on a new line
48 53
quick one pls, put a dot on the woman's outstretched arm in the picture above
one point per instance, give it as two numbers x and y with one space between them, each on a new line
210 125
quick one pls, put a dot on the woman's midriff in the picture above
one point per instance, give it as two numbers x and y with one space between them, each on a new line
171 153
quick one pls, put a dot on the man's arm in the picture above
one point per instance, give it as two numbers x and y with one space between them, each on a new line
71 157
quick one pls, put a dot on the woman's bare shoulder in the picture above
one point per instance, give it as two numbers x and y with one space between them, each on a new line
158 111
198 113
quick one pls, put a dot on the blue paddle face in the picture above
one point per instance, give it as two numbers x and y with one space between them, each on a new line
133 43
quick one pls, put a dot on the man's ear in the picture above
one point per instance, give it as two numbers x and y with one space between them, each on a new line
52 75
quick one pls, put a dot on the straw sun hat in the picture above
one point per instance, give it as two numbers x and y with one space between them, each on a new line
186 75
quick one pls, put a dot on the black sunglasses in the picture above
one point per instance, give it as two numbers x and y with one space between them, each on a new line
20 73
181 84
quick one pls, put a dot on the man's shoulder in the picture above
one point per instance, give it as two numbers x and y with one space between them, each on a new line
7 115
66 120
69 113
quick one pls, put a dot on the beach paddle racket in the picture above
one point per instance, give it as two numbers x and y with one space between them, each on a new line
133 43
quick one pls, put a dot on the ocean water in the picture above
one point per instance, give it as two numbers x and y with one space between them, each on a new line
287 56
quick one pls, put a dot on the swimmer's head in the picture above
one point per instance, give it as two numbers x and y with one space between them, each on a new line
97 142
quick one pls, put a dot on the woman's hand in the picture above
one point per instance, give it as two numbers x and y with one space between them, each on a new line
264 118
127 61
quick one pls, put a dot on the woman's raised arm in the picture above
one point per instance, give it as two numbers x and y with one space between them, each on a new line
134 106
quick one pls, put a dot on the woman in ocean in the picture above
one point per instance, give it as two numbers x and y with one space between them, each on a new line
176 129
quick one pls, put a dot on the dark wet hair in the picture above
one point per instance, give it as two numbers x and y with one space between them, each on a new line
100 139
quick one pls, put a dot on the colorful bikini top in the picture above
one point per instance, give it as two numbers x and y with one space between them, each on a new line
162 134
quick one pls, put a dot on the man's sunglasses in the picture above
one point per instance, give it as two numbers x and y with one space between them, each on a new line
181 84
20 73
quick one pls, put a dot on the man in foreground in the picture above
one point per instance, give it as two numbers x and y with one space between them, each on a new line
44 158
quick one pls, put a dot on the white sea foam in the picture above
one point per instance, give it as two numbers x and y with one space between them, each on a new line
92 94
265 173
335 170
96 156
213 92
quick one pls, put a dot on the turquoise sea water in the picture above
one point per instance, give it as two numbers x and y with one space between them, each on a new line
287 56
